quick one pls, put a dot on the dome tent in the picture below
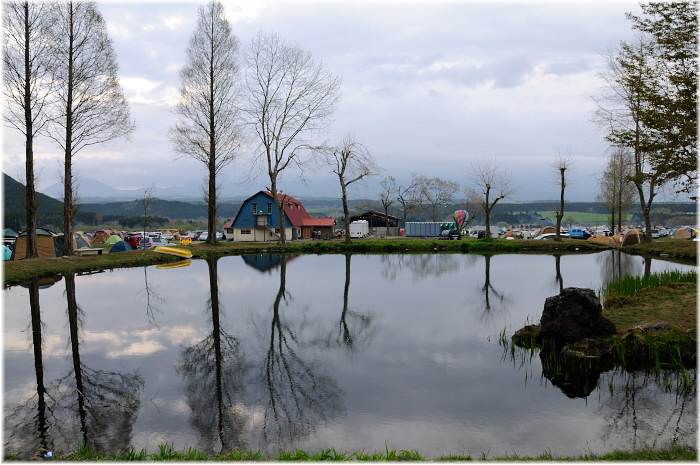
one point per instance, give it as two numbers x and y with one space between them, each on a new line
47 242
120 246
113 240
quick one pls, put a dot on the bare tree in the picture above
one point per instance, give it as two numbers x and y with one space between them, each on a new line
351 162
209 127
492 186
289 97
91 107
435 193
386 197
145 203
561 163
616 190
28 79
407 197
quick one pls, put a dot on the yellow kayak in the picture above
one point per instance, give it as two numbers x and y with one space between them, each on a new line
184 253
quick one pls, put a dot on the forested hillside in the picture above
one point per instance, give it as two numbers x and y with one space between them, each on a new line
50 211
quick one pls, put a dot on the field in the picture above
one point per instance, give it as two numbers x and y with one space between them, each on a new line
583 218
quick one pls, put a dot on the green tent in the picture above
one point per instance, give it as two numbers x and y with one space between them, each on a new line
113 239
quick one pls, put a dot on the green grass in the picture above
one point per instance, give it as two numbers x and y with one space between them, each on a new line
167 453
583 218
632 286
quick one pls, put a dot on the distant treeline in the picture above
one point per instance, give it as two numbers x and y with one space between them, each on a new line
130 214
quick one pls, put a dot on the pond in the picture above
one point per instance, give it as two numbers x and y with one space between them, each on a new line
315 352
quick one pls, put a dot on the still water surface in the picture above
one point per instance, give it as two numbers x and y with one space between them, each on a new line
315 352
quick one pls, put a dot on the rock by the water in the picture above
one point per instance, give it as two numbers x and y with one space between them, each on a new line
572 315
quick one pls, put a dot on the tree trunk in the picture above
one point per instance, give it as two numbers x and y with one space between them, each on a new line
280 212
487 211
346 213
68 174
560 214
30 189
211 201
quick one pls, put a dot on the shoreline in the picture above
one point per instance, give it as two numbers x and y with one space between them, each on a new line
17 272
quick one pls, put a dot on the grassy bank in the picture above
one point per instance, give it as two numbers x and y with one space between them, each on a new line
655 318
166 453
23 270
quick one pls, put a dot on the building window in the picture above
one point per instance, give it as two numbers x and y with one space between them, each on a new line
277 230
245 231
261 220
255 208
269 207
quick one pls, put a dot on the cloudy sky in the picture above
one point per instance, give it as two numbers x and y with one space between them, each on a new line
428 87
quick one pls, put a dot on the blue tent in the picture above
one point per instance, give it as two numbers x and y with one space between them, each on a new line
120 246
6 253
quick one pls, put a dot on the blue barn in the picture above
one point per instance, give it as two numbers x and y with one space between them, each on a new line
258 220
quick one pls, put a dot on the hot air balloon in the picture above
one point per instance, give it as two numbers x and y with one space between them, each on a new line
460 217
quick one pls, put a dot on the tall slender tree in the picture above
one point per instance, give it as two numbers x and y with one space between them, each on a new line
350 160
387 197
209 128
561 163
289 98
91 107
616 190
628 75
28 68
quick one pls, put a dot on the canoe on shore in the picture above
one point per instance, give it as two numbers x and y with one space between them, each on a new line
184 253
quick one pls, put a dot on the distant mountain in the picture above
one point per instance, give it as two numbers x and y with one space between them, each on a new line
49 210
93 191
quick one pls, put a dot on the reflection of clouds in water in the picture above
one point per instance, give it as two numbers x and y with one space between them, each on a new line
430 351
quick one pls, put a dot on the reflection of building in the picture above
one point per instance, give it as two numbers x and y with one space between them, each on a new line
258 220
379 223
264 263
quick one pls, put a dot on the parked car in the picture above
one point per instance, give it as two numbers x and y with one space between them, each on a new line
203 236
185 240
551 236
451 234
578 233
150 242
133 240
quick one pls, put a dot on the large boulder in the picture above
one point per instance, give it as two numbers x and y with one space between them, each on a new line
572 315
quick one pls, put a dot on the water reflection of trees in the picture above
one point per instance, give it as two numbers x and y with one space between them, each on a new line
421 266
152 297
214 370
26 426
616 264
296 397
648 409
278 404
354 329
94 407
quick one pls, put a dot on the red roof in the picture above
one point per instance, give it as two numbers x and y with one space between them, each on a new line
228 224
318 222
297 214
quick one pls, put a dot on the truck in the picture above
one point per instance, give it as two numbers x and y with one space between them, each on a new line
359 228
